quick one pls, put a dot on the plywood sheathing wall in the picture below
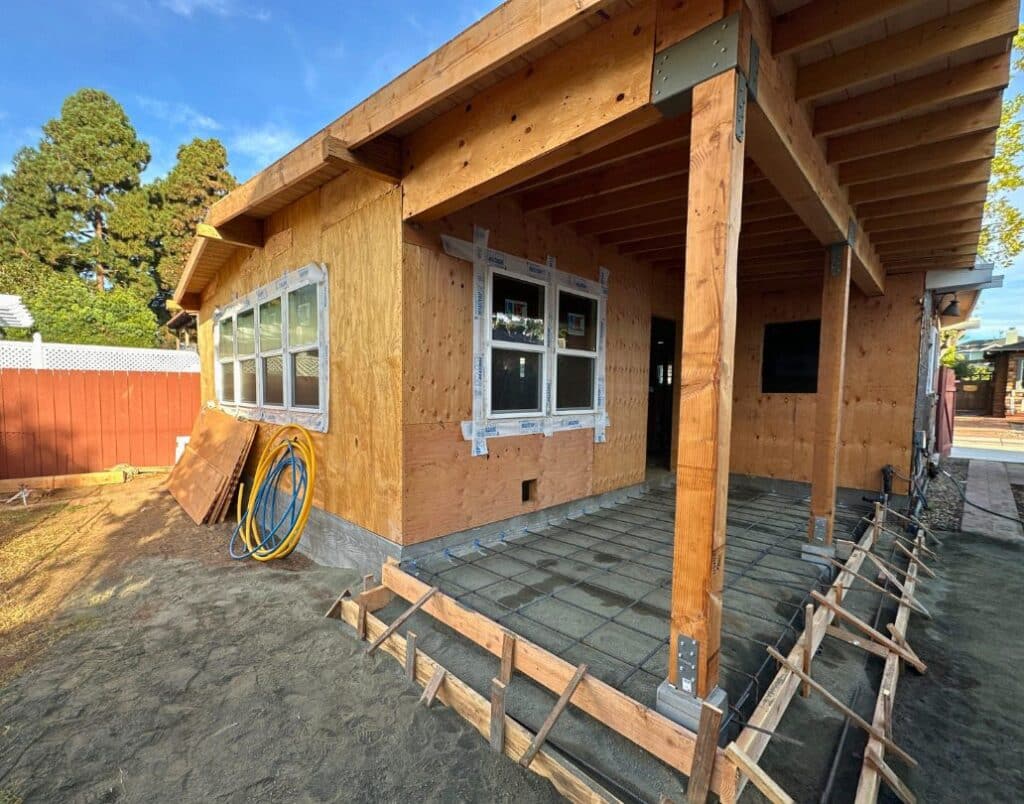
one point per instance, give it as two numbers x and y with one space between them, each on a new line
446 489
773 434
353 225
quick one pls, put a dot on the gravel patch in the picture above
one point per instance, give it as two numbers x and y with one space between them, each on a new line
945 507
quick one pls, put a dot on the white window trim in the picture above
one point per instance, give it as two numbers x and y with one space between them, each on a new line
315 419
484 425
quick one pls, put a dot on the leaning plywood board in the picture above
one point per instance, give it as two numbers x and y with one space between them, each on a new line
196 484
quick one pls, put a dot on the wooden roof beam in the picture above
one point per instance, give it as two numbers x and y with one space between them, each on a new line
930 232
933 248
381 158
926 202
941 179
971 148
989 76
821 20
950 212
780 140
932 40
982 115
242 231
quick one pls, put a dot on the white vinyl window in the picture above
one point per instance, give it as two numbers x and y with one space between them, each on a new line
522 363
271 351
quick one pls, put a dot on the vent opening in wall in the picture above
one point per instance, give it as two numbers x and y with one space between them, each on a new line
529 490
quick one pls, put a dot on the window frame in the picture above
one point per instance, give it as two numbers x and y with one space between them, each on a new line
314 418
512 346
561 288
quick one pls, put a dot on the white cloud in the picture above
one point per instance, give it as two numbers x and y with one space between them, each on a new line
265 143
220 8
179 114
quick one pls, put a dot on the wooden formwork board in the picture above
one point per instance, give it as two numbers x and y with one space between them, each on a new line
668 741
475 709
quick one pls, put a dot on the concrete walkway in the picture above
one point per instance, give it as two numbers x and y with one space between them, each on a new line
988 485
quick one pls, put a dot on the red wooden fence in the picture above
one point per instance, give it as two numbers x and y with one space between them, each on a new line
946 412
65 422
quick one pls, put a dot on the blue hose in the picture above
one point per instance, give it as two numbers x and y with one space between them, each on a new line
272 527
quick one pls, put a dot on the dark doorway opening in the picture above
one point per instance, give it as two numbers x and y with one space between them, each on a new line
659 400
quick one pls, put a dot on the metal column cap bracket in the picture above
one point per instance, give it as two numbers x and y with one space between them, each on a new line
679 68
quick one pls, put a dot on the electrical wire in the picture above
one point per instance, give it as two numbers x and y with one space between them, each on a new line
280 497
963 496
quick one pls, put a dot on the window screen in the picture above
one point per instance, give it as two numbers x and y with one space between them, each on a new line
789 363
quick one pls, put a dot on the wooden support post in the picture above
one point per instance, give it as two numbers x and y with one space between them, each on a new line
401 618
704 421
835 303
498 716
805 688
410 656
704 754
553 715
508 653
430 691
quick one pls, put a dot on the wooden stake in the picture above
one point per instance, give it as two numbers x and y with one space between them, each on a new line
410 656
704 754
401 618
336 605
879 588
762 781
805 688
915 560
905 653
430 691
889 564
852 639
553 716
361 621
498 715
837 704
508 652
367 583
887 708
907 596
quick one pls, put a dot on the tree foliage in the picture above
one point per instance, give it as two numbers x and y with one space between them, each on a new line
1002 236
93 249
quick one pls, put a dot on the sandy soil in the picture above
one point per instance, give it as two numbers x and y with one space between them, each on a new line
143 665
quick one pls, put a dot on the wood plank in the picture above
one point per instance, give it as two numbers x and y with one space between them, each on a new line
381 158
475 709
852 639
889 775
924 202
970 173
401 618
762 781
574 100
808 637
934 39
835 305
242 231
928 232
670 189
870 632
410 656
835 703
938 155
982 115
988 75
703 425
821 20
508 657
618 219
705 754
666 740
553 715
433 686
73 481
497 736
894 220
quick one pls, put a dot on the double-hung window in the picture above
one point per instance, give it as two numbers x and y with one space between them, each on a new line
576 363
518 345
270 351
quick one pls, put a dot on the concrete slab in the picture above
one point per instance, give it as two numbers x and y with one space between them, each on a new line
988 485
987 454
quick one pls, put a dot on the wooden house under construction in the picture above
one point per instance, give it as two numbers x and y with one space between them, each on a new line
589 245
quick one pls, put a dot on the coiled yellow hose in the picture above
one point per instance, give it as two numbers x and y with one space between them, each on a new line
288 460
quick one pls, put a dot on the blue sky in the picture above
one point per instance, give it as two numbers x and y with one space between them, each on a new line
261 75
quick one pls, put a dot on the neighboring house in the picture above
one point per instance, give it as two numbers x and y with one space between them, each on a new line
1007 360
455 284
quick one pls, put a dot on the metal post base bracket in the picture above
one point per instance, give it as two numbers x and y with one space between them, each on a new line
818 554
684 708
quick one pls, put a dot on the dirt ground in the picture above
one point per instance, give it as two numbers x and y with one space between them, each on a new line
141 664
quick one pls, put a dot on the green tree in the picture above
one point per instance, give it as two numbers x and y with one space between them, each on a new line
1002 236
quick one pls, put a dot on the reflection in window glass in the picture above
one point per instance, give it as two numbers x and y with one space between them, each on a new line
515 381
577 322
227 381
270 325
247 381
227 338
245 332
575 383
302 316
517 310
273 380
306 378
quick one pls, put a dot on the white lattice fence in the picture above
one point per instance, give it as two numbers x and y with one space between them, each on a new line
75 357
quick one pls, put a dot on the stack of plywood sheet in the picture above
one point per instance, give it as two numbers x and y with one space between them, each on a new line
206 478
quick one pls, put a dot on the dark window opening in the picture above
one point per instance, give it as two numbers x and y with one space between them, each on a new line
789 362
